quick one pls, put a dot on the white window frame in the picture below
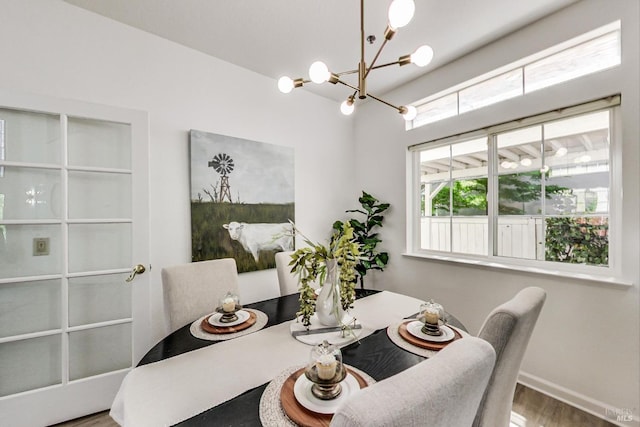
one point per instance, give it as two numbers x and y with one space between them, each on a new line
608 274
424 105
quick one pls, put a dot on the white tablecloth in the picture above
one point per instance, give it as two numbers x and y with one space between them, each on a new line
173 390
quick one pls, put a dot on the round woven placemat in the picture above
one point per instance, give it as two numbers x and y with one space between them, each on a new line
271 412
394 335
196 328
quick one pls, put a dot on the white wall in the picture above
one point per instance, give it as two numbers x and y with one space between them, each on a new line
52 48
573 354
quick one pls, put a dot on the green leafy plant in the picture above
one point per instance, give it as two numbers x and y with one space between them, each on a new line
310 265
365 236
577 240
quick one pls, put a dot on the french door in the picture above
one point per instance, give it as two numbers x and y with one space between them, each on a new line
73 224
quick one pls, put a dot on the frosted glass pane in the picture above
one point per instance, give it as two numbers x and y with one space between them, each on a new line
435 110
29 137
587 58
17 257
30 193
99 247
99 144
99 195
29 307
99 298
100 350
499 88
30 364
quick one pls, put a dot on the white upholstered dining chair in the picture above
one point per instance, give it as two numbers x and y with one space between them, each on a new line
193 290
508 329
443 391
287 281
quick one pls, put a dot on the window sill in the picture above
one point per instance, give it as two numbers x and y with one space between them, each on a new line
609 280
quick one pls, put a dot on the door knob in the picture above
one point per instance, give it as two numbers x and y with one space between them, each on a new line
138 269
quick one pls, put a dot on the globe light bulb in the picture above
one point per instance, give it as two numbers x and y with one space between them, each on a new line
422 56
525 162
285 84
562 151
410 114
347 107
400 13
318 72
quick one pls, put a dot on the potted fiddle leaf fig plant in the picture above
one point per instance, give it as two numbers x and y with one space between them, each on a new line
332 266
366 236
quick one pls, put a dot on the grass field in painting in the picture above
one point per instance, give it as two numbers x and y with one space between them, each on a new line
209 240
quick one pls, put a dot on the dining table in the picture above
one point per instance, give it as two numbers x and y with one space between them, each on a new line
374 353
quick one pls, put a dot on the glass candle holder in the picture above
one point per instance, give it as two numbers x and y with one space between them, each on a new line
325 370
228 305
431 314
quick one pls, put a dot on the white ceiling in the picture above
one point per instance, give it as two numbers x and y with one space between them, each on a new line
283 37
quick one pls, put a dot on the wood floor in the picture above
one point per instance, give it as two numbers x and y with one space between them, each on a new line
530 409
534 409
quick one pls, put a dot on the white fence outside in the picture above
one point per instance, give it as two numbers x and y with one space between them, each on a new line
517 237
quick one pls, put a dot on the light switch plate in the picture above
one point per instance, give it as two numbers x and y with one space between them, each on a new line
40 246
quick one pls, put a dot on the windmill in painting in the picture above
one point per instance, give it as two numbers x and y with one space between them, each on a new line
223 164
246 217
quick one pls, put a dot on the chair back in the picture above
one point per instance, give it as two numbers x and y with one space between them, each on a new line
508 329
287 281
193 290
443 391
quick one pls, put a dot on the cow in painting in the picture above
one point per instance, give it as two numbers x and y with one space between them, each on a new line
261 237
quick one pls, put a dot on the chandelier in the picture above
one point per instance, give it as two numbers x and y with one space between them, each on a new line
400 14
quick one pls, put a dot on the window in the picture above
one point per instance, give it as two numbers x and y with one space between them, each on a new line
587 54
2 148
454 193
535 192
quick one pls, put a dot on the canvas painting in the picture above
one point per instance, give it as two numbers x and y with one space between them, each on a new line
242 200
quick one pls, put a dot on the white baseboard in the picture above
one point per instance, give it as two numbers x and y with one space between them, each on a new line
577 400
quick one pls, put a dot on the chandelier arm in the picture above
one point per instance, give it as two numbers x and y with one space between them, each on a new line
300 82
343 73
375 58
348 85
385 102
384 65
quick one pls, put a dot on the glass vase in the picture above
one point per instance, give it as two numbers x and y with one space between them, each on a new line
328 304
